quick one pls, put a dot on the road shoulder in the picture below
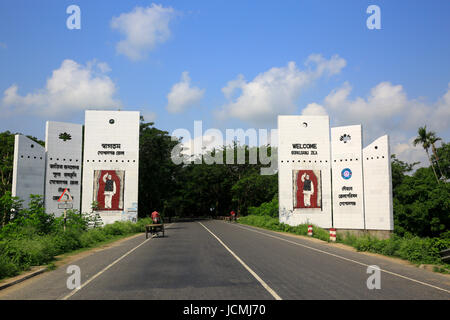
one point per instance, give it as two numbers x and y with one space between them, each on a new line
26 278
396 260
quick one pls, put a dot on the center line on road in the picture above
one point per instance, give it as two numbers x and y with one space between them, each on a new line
106 268
258 278
343 258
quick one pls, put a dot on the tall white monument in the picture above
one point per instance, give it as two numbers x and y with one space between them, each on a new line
63 143
335 184
347 177
28 169
110 165
304 170
378 185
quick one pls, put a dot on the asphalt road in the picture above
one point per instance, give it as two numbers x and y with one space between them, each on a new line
211 260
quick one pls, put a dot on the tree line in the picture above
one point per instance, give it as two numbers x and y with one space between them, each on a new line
198 188
421 198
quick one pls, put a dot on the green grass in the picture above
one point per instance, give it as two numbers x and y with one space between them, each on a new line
98 244
414 249
21 252
271 223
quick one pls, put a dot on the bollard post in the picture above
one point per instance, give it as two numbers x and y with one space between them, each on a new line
310 230
333 234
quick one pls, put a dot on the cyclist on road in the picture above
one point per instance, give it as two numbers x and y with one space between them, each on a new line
233 216
156 217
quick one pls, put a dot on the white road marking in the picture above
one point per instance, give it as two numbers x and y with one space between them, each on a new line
106 268
261 281
343 258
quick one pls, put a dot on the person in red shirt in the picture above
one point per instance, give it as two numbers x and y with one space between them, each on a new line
233 216
156 217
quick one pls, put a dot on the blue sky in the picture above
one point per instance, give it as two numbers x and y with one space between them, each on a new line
391 80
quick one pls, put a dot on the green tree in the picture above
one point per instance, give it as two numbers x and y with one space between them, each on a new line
8 206
254 189
205 188
266 209
423 138
157 172
399 169
6 161
30 221
433 139
443 154
421 206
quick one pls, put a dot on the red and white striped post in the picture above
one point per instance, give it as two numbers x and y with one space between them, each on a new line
333 234
310 230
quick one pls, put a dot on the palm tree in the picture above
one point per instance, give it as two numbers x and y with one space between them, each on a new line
433 139
423 139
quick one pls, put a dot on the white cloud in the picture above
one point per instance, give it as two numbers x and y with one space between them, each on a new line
314 109
441 112
143 29
232 86
103 67
409 153
72 87
387 110
275 91
384 101
387 107
328 67
182 95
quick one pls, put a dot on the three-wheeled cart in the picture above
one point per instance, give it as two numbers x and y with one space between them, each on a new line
154 229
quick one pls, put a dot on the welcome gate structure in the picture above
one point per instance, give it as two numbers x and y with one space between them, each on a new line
97 164
327 179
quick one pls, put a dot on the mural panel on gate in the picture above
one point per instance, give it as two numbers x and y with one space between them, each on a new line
307 186
108 189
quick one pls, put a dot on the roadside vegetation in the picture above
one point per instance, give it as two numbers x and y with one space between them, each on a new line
34 238
272 223
198 189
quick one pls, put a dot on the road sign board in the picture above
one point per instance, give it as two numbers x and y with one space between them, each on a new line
65 205
65 197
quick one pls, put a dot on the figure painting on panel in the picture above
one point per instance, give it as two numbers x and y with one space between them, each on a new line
108 189
307 189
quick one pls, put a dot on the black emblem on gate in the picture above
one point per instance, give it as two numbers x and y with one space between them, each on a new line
345 137
65 136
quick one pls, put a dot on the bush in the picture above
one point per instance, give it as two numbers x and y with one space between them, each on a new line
35 238
67 241
118 228
141 223
418 250
30 221
74 221
266 209
93 236
27 252
271 223
7 267
413 249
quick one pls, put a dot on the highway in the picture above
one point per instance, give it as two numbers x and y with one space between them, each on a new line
217 260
